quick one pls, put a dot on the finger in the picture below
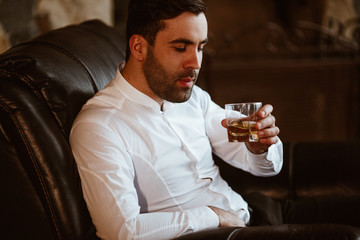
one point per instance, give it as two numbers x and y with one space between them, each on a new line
266 122
269 132
269 141
265 111
240 223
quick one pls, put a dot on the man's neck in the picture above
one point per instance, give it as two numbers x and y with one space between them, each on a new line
134 75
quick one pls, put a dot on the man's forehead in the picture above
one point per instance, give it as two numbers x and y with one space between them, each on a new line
187 26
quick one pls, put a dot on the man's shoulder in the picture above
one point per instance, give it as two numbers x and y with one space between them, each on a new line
99 110
98 120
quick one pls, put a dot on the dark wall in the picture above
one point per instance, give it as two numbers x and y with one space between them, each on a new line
293 54
17 17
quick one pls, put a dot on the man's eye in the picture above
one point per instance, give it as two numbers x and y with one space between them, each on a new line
180 49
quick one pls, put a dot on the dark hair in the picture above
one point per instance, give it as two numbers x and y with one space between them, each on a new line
145 16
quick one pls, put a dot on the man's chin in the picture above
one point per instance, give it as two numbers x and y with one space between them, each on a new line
181 97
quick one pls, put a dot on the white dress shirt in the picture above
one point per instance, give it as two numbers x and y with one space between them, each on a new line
149 174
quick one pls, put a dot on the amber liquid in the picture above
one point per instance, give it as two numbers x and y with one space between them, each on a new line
242 131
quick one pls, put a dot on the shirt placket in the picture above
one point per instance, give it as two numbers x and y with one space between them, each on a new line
184 145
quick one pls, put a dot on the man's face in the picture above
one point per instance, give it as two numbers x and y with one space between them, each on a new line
172 65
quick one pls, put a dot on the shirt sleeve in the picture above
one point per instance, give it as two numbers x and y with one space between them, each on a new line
107 176
237 154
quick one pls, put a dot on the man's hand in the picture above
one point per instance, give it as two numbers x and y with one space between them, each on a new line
227 219
267 130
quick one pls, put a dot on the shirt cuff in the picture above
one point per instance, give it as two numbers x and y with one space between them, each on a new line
271 160
202 218
275 155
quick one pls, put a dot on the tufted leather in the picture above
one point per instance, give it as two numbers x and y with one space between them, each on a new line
43 85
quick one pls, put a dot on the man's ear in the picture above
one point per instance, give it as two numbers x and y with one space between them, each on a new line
138 47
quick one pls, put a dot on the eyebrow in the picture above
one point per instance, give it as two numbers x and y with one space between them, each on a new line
187 41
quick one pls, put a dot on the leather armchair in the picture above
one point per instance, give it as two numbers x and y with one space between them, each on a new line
43 85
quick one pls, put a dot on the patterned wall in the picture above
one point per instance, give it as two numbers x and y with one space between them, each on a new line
21 20
243 22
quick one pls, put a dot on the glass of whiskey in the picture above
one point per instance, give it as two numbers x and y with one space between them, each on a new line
240 120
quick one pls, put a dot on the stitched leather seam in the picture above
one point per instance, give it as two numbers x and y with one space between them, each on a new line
23 79
37 170
232 233
68 54
39 93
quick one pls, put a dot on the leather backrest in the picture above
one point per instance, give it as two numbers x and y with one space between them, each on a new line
310 170
43 85
324 169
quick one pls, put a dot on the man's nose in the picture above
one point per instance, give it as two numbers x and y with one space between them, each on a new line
194 60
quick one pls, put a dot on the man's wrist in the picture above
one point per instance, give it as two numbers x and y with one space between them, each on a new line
260 149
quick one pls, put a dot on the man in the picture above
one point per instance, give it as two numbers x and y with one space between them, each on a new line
144 144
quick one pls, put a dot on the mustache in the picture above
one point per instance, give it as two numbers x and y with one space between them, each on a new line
190 73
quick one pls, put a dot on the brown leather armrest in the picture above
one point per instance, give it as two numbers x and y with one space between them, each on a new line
279 232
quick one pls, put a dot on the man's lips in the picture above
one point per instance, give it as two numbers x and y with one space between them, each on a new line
186 82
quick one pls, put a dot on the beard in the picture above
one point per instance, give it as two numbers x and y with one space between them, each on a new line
164 83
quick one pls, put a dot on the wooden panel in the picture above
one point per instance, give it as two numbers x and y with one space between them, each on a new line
313 100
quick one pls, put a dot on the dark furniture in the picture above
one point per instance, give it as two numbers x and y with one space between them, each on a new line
44 83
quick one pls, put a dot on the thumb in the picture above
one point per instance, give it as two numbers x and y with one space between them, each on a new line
223 123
